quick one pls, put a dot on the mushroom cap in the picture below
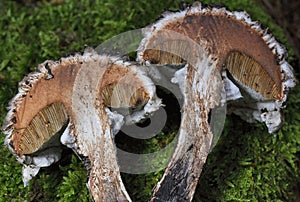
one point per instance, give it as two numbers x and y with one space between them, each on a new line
43 105
239 44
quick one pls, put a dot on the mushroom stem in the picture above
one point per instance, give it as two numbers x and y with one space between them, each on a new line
94 134
96 126
195 136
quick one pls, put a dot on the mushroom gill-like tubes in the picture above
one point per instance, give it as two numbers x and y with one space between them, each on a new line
67 102
252 59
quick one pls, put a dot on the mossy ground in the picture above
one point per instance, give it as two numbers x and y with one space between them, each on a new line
248 164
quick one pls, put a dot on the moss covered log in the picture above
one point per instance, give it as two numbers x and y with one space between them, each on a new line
248 164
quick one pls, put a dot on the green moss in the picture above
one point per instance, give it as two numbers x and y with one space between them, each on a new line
247 164
11 182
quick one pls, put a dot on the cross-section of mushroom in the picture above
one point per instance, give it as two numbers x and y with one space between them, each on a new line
68 100
222 56
232 52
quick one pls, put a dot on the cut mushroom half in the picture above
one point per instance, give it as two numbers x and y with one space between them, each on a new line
68 102
232 52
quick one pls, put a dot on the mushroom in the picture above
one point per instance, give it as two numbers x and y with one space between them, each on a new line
68 102
223 51
222 56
